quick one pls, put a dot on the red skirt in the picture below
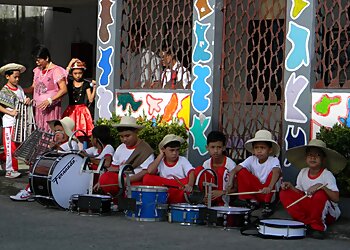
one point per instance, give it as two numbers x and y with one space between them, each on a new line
81 115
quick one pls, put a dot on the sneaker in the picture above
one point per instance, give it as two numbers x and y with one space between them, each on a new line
22 195
319 235
12 174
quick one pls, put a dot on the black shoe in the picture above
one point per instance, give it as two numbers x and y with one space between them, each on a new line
319 235
267 210
253 205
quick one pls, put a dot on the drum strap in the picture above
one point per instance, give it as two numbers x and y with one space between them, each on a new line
142 151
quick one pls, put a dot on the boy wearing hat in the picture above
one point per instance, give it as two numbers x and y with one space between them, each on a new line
317 162
133 151
10 94
259 172
63 130
174 171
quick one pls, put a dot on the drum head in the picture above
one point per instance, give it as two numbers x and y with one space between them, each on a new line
231 210
67 179
149 188
187 206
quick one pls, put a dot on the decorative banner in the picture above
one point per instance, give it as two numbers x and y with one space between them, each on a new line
169 105
328 108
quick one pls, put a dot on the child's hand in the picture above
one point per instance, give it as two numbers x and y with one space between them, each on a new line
216 194
13 113
266 190
97 186
27 101
286 185
313 189
188 188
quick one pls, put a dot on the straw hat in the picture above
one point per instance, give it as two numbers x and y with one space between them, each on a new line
12 66
78 65
335 162
263 136
128 122
67 123
170 138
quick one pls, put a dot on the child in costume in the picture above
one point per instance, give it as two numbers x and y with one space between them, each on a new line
317 162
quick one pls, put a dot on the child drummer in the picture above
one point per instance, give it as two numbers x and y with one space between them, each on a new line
174 171
315 179
14 93
259 172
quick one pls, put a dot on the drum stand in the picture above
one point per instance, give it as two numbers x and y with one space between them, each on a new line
210 186
128 203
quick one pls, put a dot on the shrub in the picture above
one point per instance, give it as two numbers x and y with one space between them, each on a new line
153 131
338 138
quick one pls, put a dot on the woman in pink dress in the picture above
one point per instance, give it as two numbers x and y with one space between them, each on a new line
49 85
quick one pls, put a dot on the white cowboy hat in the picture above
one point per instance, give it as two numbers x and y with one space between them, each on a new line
263 136
12 66
335 162
128 122
170 138
67 123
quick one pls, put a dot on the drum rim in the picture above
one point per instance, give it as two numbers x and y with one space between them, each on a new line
149 188
96 196
264 223
181 206
246 211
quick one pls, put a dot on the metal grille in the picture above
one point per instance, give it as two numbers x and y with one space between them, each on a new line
332 48
252 71
147 25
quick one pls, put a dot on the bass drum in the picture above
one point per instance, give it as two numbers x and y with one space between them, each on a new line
56 177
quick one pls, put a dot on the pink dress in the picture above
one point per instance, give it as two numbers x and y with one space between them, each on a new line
45 86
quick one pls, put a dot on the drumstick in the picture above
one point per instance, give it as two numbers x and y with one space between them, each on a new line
178 181
306 195
253 192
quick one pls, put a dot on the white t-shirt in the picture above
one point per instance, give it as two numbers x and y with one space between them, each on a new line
65 146
8 120
93 152
182 76
122 153
180 169
304 182
261 171
229 164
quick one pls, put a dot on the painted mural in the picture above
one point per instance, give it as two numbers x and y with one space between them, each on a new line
106 55
329 108
297 63
201 86
152 104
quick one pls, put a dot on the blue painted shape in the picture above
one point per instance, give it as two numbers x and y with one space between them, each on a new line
201 89
105 64
294 139
346 120
197 131
200 52
299 54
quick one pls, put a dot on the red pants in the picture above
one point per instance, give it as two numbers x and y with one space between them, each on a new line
247 182
111 178
175 195
9 149
207 176
311 211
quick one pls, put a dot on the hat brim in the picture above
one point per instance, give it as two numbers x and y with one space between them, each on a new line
67 130
275 147
12 66
165 142
335 162
127 126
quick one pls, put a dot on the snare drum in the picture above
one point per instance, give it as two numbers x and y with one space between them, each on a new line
185 214
278 228
56 177
231 217
151 203
90 204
